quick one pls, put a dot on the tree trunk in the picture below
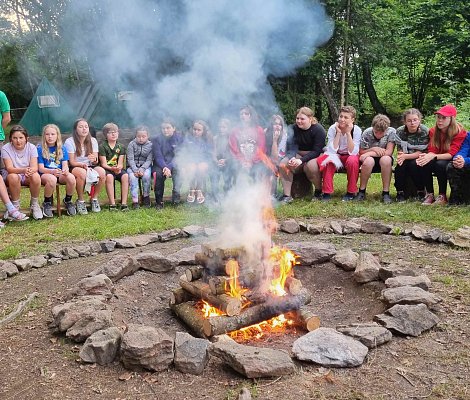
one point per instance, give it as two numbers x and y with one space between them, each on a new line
370 89
330 102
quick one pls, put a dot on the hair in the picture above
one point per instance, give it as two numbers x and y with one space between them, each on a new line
381 122
452 130
169 121
348 109
142 128
18 128
205 127
269 129
225 120
308 112
87 142
59 154
110 126
253 114
412 111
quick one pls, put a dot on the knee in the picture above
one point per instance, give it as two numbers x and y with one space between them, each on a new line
385 161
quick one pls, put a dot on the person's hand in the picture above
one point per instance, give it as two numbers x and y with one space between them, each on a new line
166 172
92 158
458 162
28 172
400 158
84 165
64 171
276 135
424 158
221 162
379 151
137 174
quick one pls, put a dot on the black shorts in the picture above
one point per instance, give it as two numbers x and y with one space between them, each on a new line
117 177
377 164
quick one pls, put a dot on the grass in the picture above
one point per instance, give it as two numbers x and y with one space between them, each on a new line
33 237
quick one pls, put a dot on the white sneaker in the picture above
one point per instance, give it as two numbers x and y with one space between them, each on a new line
81 208
95 206
36 211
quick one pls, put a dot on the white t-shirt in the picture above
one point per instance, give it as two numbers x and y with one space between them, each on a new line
343 141
69 145
20 158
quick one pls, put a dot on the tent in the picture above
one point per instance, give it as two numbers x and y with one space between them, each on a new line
47 106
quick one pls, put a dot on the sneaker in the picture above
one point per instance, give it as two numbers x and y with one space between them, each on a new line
47 209
135 206
428 200
2 225
146 201
16 215
95 206
361 196
386 198
70 207
326 197
349 196
176 199
400 197
441 200
421 195
191 196
124 207
112 207
81 208
36 211
316 195
159 206
286 199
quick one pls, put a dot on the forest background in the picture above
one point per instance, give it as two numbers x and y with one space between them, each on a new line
383 57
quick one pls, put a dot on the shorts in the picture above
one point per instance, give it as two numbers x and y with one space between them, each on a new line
377 168
117 176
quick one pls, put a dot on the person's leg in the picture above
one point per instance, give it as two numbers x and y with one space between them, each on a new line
351 164
124 188
4 192
159 186
366 170
110 189
386 172
175 194
312 171
440 170
80 178
49 182
328 174
287 177
34 184
101 181
13 212
146 182
134 186
400 174
455 176
70 182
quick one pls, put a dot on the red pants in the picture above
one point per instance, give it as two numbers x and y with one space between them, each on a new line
351 164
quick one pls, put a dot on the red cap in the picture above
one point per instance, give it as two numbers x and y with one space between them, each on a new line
448 110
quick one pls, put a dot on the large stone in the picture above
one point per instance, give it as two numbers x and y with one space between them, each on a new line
409 295
96 285
83 251
117 267
9 268
38 261
186 256
154 262
70 253
171 234
3 274
289 226
461 238
375 227
89 323
337 227
421 281
253 362
327 347
144 240
191 354
367 268
346 259
409 320
194 230
351 227
418 232
310 253
145 347
125 243
23 264
102 346
369 334
396 269
108 246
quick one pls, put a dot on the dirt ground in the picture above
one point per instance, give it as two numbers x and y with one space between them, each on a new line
35 364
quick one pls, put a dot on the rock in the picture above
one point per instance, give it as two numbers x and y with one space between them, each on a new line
409 295
289 226
253 362
337 228
369 334
170 234
191 355
146 347
315 229
194 230
351 227
54 261
95 248
327 347
434 235
55 254
461 238
38 261
244 394
83 251
23 264
409 320
96 285
303 226
310 253
418 232
211 231
89 323
102 346
144 240
117 267
70 253
396 269
375 227
367 268
346 259
186 256
108 246
9 268
124 243
3 274
154 262
421 281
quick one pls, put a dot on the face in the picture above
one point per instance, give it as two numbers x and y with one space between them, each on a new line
303 121
245 115
83 129
18 140
412 122
50 135
277 125
167 129
112 135
141 137
442 122
198 130
345 119
378 134
223 127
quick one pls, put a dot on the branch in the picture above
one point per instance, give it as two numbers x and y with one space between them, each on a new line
19 309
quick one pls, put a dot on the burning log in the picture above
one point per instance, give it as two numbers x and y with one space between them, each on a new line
179 296
218 284
293 285
228 305
193 273
191 316
214 266
272 308
307 319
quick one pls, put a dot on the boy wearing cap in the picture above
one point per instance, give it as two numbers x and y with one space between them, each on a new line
445 140
458 172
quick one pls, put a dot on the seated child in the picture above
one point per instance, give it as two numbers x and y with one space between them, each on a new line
12 213
54 168
21 169
112 158
139 166
375 154
458 173
276 137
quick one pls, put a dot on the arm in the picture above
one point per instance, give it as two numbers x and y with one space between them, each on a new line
149 159
6 119
318 144
130 157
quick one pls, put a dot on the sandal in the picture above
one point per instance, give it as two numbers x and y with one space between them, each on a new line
191 196
200 197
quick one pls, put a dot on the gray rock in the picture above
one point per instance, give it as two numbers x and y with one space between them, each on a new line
211 231
96 285
88 324
55 254
102 346
3 274
367 268
351 227
54 261
244 394
375 227
194 230
396 269
144 240
154 262
146 347
315 229
95 248
409 295
418 232
253 362
346 259
23 264
289 226
434 235
191 355
124 243
186 256
327 347
302 226
170 234
369 334
108 246
9 268
83 251
70 253
409 320
337 228
461 238
38 261
117 267
310 253
421 281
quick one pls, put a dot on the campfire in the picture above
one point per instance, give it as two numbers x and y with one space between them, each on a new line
243 291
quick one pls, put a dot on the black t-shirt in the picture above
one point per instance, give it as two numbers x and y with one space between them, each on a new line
311 140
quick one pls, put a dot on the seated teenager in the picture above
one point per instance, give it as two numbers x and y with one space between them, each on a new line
458 172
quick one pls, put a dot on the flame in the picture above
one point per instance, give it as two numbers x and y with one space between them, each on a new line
286 261
232 286
210 311
260 154
258 330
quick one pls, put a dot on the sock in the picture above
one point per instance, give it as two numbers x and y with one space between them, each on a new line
384 193
68 198
10 207
48 199
16 204
34 200
362 190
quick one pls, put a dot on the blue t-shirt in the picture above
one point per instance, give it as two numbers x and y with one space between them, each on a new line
51 163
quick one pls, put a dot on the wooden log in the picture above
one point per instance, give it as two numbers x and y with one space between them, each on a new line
273 307
179 295
191 316
214 265
194 272
228 305
217 284
230 252
307 319
293 285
